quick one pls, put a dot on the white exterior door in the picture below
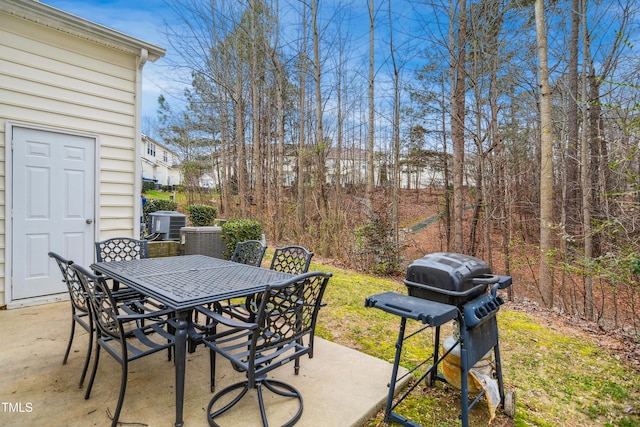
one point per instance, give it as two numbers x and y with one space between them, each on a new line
53 207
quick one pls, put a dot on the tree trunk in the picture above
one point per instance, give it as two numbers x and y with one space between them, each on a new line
446 173
301 142
279 202
396 135
321 166
585 181
340 130
546 161
572 202
239 124
370 137
458 66
279 83
256 194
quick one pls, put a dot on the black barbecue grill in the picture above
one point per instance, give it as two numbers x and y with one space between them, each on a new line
448 278
444 286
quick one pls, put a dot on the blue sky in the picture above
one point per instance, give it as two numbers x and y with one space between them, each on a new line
144 20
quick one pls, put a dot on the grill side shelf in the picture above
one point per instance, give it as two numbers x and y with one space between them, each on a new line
428 312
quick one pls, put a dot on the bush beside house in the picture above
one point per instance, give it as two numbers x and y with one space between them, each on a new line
239 230
202 215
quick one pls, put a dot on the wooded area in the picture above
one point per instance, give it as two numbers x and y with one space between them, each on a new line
314 116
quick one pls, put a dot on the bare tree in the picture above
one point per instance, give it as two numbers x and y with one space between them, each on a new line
256 77
302 70
396 131
458 49
319 109
585 179
370 136
546 160
252 104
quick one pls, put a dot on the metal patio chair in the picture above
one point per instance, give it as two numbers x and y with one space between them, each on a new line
121 249
127 331
80 312
249 252
291 259
283 331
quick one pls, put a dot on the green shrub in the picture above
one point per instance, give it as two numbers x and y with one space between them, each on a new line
202 215
147 185
239 230
154 205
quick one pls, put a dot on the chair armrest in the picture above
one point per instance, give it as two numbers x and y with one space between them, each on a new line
143 316
225 320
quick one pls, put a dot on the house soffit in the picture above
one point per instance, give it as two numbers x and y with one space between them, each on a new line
56 19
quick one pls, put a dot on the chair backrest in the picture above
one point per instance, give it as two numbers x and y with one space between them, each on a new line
288 312
291 259
105 310
70 278
250 252
121 249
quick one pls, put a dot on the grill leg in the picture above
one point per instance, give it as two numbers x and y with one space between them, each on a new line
496 352
396 364
436 354
464 376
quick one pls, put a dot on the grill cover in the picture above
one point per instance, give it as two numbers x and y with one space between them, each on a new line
449 271
449 278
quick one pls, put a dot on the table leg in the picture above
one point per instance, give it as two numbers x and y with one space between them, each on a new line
180 364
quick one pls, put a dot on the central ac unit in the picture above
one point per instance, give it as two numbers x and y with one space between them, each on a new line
166 224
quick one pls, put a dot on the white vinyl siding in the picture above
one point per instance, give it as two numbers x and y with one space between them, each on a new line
55 80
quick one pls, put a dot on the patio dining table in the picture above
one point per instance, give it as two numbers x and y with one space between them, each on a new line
184 282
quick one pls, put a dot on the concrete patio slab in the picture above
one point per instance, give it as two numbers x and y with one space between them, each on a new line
340 386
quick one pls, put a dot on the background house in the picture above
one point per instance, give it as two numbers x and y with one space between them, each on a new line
207 181
70 103
159 163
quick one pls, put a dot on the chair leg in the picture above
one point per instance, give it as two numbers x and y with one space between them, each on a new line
212 368
263 411
276 387
212 362
93 373
296 365
73 331
211 415
172 331
123 389
283 389
88 357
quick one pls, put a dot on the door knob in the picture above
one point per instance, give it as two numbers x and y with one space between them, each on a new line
89 221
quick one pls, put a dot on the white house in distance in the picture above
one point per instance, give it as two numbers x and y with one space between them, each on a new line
70 126
207 181
159 163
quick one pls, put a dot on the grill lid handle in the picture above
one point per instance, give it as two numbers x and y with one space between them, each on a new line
485 279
